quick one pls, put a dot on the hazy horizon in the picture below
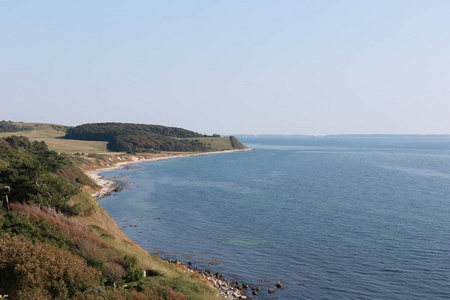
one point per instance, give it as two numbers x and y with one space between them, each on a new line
260 67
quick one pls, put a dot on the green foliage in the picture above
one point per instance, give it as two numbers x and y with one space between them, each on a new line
60 127
148 142
107 131
133 271
98 264
29 173
8 126
49 159
83 203
15 223
134 138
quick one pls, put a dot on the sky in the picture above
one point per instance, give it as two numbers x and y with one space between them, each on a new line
229 66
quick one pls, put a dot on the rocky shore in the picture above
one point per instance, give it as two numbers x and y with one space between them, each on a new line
231 290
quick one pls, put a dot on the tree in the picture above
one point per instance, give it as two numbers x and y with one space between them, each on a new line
114 273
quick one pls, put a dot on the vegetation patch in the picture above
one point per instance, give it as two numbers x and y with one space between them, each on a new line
135 138
8 126
43 269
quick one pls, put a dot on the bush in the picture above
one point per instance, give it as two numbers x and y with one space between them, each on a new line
133 271
15 223
40 267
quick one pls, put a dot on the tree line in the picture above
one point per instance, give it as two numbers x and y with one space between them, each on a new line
132 138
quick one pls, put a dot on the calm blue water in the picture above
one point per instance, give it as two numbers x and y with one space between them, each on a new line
345 217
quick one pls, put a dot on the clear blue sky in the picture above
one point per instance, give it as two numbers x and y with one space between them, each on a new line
229 67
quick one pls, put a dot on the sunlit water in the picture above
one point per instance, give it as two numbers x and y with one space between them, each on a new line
343 217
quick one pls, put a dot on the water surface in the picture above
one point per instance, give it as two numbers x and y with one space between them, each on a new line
343 217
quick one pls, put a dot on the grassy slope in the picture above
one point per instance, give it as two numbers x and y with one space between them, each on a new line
53 138
103 226
217 143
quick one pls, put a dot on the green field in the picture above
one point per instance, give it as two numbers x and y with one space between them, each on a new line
53 135
217 143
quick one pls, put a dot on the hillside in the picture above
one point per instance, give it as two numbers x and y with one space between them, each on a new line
57 242
50 214
53 136
96 142
135 138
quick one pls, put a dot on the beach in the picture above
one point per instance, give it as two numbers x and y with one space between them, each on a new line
109 186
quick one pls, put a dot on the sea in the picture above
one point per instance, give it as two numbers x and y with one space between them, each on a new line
329 217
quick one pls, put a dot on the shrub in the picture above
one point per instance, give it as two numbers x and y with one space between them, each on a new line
25 266
133 271
15 223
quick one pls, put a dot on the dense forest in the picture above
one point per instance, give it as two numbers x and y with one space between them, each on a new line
147 142
134 138
106 131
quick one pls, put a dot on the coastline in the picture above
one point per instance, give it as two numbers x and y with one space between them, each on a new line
230 290
109 186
